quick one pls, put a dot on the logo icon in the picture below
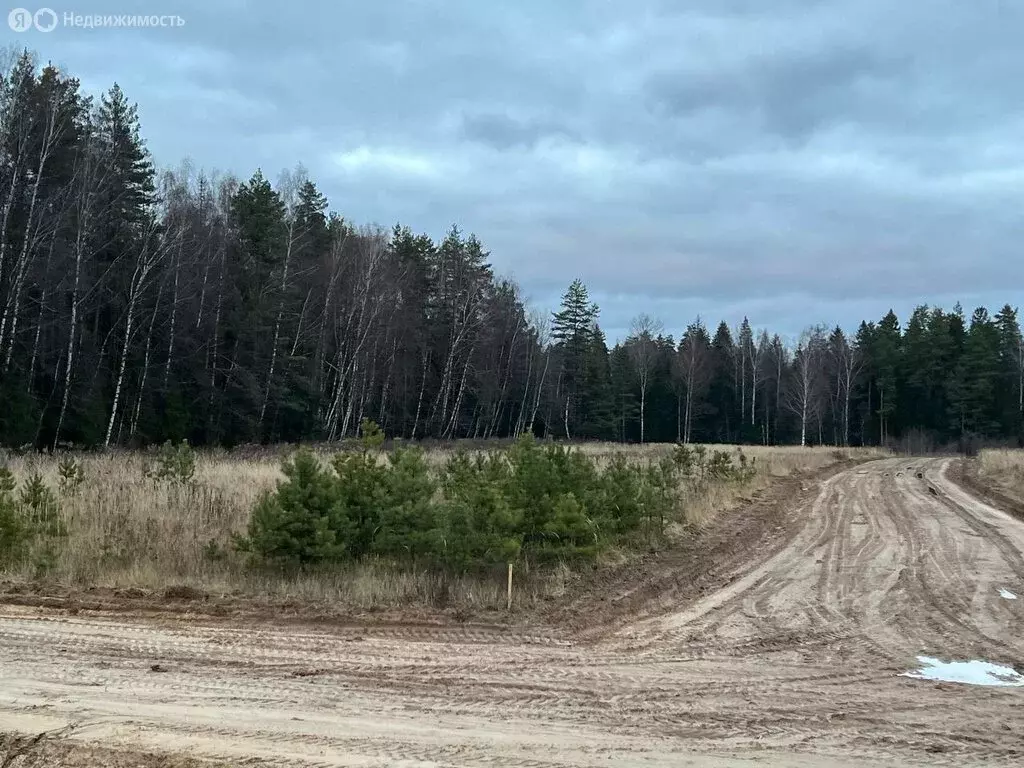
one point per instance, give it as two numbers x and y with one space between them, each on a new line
45 19
20 19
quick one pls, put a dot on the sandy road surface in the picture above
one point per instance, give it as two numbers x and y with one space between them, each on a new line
795 662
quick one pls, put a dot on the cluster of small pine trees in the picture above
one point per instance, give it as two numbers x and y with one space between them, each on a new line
541 502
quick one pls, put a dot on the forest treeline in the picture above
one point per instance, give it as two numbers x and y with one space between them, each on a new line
138 306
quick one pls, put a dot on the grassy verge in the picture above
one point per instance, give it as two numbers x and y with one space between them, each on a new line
997 477
125 527
1003 469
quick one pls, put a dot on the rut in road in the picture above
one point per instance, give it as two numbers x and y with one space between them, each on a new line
888 564
797 658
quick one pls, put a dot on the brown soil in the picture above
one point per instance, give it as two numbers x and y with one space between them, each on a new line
784 648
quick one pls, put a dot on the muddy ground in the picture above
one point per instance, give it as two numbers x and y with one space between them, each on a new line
781 642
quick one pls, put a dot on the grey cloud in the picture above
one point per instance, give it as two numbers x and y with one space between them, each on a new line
810 161
503 131
793 95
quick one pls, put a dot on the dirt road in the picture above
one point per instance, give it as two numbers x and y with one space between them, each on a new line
796 662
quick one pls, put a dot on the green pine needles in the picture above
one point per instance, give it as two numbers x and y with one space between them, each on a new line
30 521
543 502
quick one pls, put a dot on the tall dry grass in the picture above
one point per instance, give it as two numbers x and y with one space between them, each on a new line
1003 468
126 529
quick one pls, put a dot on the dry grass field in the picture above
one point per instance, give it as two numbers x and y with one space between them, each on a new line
1004 470
129 530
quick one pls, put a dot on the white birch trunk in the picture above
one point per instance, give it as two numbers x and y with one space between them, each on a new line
277 321
174 317
142 269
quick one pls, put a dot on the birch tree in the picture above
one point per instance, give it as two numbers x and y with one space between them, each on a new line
694 365
642 349
803 395
153 251
845 362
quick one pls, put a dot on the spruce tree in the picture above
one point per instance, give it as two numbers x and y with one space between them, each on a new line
916 398
743 365
130 187
572 329
886 357
977 377
722 395
954 378
258 217
597 407
1010 389
623 386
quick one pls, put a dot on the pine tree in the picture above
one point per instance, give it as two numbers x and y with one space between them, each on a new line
954 378
663 395
864 397
1010 389
745 353
414 255
886 358
943 355
293 393
131 185
977 377
258 217
623 386
574 322
129 260
915 370
597 408
572 329
722 393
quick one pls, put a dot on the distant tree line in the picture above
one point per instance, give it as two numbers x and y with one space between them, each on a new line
139 306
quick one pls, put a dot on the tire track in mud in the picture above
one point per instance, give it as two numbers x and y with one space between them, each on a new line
839 582
880 573
796 658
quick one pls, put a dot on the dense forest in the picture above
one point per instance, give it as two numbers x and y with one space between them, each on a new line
139 305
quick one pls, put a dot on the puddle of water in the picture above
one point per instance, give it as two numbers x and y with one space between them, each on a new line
970 672
1007 594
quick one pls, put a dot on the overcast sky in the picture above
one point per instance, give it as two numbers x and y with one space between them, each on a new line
792 160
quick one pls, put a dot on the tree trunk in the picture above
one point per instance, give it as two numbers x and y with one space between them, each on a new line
881 416
803 423
215 338
24 257
419 400
8 205
174 316
80 242
540 389
679 417
145 365
643 397
120 372
143 267
277 323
